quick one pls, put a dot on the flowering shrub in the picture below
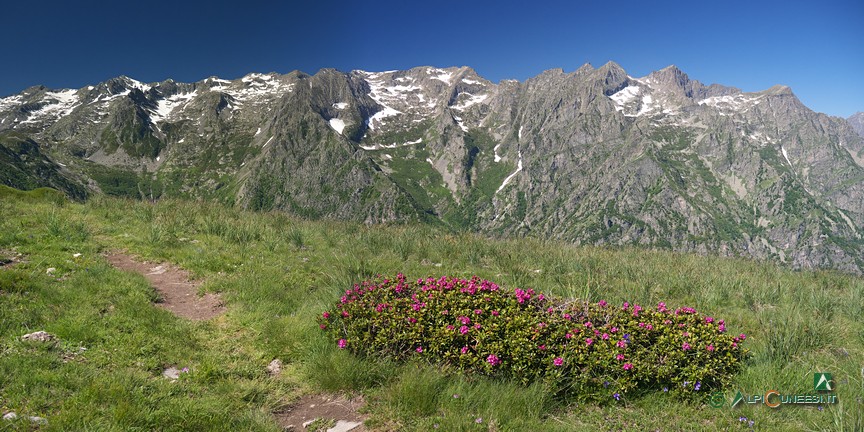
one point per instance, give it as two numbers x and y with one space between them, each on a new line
590 351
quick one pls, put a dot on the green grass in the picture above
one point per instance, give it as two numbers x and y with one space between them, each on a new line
277 273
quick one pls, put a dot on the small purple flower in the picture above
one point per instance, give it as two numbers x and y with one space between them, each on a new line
605 383
185 370
742 419
666 389
616 396
750 423
698 385
479 420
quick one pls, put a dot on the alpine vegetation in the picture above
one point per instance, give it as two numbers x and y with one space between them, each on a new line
584 351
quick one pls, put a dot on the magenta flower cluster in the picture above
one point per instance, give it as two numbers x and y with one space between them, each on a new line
578 347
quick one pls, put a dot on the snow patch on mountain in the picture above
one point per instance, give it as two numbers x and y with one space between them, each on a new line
61 103
337 124
625 96
785 155
469 101
166 106
510 177
340 105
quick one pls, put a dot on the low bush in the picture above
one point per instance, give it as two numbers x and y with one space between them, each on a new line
581 350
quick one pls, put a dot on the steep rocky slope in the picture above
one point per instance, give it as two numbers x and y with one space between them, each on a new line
594 156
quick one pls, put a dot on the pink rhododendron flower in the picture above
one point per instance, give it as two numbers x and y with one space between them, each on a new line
605 336
463 329
450 327
464 350
685 346
621 344
478 311
494 313
620 357
710 347
613 330
419 349
323 326
493 360
589 341
326 315
542 347
709 320
602 303
558 361
465 320
342 343
627 366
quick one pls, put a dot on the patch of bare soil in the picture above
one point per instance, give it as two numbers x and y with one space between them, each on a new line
9 258
179 294
337 408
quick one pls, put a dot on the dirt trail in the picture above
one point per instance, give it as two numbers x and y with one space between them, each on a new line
179 294
323 406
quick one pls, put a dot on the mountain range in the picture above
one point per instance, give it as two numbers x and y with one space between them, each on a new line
593 156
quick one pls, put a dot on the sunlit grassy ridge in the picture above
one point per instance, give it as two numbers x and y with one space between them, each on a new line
278 273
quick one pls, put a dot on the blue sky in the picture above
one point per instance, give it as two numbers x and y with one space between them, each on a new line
817 48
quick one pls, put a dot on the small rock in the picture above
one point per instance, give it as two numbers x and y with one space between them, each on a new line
39 336
344 426
275 367
50 270
38 420
158 270
76 255
307 423
10 416
171 373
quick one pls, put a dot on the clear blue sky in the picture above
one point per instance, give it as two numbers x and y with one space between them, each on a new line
815 47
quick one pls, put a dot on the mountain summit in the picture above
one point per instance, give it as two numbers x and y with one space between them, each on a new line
594 156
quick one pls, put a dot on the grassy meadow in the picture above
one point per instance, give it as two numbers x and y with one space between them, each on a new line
277 273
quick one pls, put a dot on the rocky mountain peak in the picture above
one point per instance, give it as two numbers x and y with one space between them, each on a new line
856 121
592 156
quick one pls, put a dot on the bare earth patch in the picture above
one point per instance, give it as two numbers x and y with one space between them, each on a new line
322 406
179 293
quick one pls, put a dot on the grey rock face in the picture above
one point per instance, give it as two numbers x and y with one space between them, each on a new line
856 121
594 156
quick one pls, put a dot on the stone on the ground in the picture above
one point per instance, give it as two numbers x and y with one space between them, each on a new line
39 336
171 373
50 270
38 420
10 416
344 426
275 367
